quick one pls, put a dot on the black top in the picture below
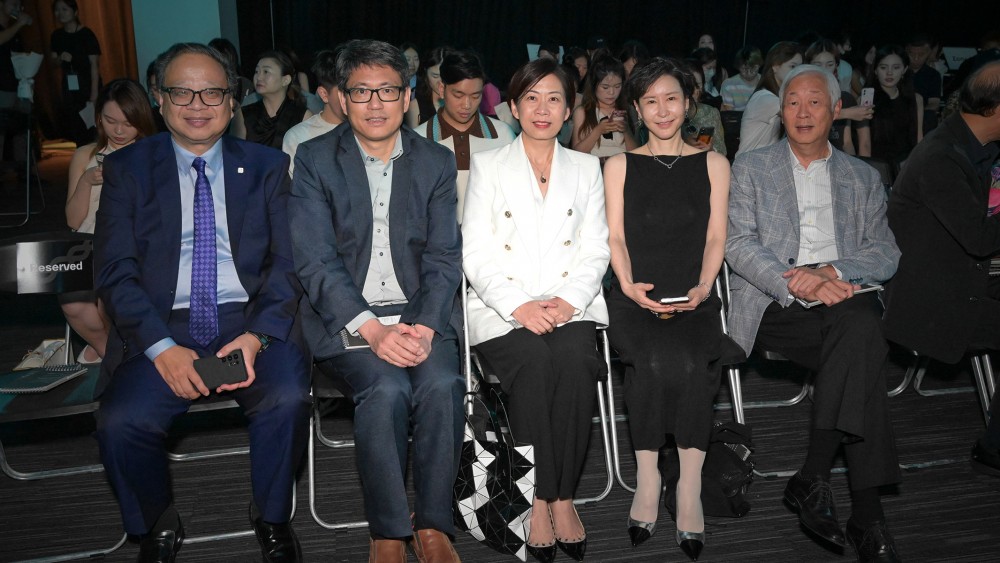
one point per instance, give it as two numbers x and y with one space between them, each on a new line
8 82
894 126
667 210
80 45
267 130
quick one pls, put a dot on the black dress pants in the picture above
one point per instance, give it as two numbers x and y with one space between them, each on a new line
845 346
550 381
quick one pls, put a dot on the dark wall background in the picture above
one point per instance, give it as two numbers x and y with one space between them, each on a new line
499 29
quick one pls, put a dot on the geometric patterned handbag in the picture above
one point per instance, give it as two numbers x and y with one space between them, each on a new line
496 480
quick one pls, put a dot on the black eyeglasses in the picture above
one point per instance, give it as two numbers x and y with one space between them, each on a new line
185 96
385 94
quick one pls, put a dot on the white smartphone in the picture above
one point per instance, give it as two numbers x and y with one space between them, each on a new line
671 300
867 97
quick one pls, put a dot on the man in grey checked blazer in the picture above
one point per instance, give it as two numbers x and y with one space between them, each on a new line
807 221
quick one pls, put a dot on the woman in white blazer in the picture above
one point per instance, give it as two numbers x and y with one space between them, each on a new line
535 245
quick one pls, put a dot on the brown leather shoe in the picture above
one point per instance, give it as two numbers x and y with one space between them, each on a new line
432 546
386 551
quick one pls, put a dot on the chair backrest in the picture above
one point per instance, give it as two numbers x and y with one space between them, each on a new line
731 125
887 170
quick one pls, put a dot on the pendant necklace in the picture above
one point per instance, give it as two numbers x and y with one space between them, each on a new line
669 165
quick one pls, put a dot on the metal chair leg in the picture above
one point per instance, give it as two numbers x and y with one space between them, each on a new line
92 554
919 379
980 363
313 422
606 428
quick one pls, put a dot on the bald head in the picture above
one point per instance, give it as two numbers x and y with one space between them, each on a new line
980 95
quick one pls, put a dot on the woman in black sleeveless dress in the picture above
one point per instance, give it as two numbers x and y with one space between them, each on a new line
667 214
280 108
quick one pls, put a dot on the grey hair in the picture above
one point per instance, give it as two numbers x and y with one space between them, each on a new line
369 52
832 85
178 49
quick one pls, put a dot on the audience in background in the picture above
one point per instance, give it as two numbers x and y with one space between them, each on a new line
412 55
927 81
736 90
761 124
714 75
428 93
896 126
75 50
632 54
703 119
325 70
226 47
600 123
281 105
123 116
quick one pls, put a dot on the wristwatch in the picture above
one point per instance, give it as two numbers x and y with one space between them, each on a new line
264 339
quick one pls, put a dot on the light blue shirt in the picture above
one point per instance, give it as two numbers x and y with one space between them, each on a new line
229 288
381 286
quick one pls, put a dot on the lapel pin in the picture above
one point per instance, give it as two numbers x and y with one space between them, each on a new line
239 170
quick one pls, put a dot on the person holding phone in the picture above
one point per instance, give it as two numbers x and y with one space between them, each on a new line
666 205
703 127
897 125
599 123
123 117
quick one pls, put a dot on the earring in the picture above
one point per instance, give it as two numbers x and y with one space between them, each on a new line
638 118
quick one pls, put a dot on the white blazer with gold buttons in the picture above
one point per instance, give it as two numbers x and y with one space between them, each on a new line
519 247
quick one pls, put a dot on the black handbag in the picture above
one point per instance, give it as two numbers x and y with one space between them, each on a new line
726 475
495 487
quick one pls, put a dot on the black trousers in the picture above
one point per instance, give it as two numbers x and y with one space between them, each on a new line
845 346
551 382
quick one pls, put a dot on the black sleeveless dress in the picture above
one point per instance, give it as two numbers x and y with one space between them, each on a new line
266 130
672 370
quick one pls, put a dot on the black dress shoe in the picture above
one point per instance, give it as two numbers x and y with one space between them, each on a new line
812 499
873 543
162 546
986 460
278 543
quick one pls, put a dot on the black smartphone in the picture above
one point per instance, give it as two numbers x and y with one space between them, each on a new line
221 371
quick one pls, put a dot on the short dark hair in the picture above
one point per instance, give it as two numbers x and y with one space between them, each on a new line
325 67
461 65
920 40
821 46
370 52
226 47
550 46
749 55
643 77
633 49
530 73
980 94
178 49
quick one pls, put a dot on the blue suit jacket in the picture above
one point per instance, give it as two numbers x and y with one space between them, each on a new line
138 233
331 218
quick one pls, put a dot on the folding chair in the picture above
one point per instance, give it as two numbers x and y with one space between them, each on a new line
323 389
76 397
735 389
471 360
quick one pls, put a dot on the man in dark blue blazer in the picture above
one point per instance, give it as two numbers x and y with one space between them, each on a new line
193 259
378 251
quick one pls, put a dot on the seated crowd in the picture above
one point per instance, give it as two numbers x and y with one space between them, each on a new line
401 174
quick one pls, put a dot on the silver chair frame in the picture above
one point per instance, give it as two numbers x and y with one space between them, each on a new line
98 468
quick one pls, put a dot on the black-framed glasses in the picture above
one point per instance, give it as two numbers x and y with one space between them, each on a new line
385 94
185 96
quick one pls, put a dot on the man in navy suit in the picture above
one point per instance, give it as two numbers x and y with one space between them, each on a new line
193 259
378 251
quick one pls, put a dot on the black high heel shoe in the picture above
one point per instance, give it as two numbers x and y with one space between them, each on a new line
639 531
576 548
691 543
543 553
